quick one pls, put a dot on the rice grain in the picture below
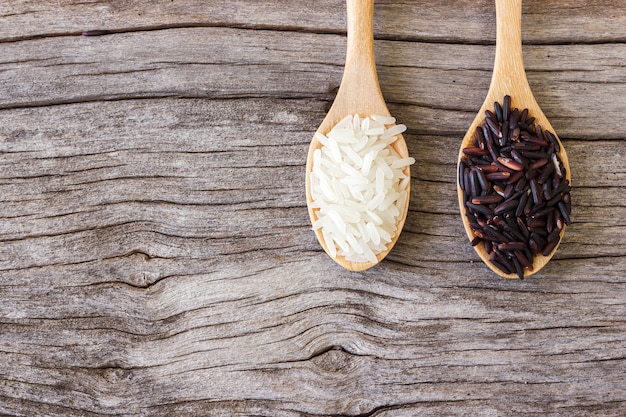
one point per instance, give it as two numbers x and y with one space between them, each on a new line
359 186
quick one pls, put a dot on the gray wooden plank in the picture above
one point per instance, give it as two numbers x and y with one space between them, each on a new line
156 256
130 274
465 21
431 83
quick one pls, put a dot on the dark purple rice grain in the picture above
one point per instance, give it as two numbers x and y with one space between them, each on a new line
473 184
538 135
498 176
490 145
511 246
545 174
564 213
529 205
488 245
506 206
558 169
524 127
514 228
523 115
479 208
521 184
558 219
510 164
487 199
518 267
503 168
552 140
538 163
546 189
522 203
505 132
539 239
497 255
514 188
549 247
461 170
497 109
506 107
523 227
508 191
482 179
475 151
550 222
478 161
480 139
536 192
534 154
534 248
554 200
540 211
465 178
568 203
513 119
554 235
494 234
522 258
487 169
536 223
502 267
563 186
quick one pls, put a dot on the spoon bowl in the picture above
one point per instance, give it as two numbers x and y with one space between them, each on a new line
359 93
509 78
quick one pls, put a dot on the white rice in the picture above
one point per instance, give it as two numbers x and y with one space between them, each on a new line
359 186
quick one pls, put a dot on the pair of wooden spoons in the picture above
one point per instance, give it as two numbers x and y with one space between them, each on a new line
360 93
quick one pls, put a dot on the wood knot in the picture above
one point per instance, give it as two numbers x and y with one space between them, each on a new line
114 373
332 359
139 255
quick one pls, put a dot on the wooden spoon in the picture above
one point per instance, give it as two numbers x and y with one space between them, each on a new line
360 93
509 78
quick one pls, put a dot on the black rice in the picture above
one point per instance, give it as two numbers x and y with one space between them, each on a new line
515 193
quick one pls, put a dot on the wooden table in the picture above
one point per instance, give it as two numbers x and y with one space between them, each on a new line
156 256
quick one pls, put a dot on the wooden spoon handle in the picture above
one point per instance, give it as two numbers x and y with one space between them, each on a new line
359 90
509 62
360 32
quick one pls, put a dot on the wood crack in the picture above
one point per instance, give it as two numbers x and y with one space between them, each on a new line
422 38
215 96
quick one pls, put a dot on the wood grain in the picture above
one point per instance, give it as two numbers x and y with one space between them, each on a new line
156 257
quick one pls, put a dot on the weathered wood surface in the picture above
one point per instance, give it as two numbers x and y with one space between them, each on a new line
156 256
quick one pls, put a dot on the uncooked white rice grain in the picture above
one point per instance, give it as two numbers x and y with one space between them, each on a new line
358 186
